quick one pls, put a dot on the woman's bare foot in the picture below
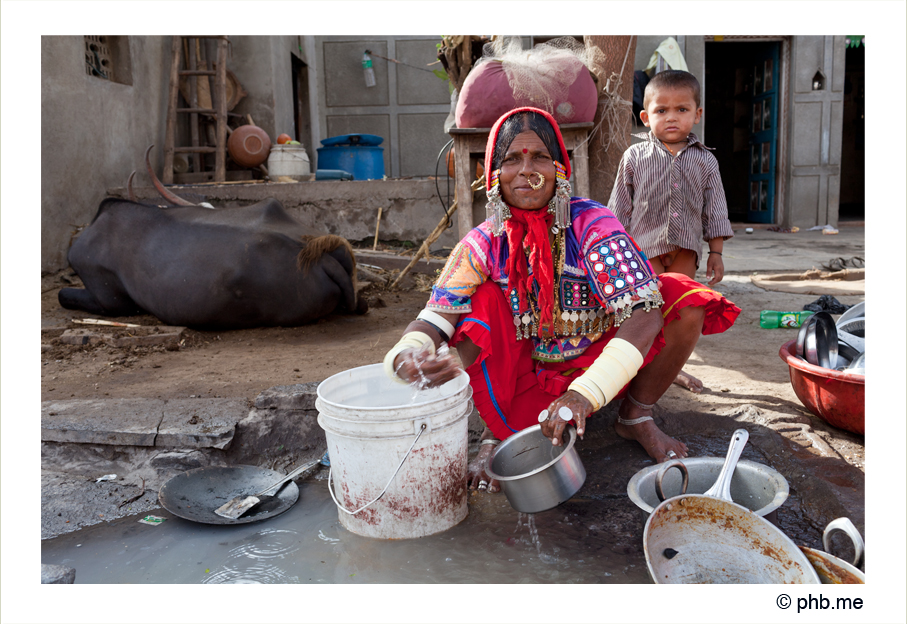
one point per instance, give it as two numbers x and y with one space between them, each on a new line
476 476
656 443
686 380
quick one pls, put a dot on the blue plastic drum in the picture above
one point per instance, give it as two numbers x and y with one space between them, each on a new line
357 153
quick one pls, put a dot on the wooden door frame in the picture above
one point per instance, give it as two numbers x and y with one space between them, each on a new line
783 146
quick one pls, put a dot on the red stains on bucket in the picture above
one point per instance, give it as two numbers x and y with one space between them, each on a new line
836 397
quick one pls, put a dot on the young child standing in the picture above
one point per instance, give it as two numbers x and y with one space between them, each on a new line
668 193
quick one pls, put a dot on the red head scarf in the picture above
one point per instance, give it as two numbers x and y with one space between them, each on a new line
528 229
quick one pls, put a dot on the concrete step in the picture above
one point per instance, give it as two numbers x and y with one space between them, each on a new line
184 423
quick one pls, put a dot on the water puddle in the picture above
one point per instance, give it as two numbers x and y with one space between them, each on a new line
595 537
495 544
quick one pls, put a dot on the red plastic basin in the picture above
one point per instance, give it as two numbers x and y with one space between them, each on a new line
835 397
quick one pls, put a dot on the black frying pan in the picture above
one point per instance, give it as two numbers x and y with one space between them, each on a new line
195 494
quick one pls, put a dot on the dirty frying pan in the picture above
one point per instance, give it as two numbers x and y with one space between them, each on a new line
195 494
694 538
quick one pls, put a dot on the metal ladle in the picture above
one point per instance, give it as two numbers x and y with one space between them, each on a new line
722 487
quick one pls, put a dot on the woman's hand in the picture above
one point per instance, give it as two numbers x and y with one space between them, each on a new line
426 369
553 427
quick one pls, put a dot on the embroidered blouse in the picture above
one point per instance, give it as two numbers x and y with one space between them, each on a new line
600 275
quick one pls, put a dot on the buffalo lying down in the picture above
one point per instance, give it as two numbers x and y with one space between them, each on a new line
214 269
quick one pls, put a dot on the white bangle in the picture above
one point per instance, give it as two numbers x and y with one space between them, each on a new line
612 370
410 340
436 319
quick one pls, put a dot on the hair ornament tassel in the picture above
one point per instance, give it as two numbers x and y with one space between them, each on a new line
559 205
496 210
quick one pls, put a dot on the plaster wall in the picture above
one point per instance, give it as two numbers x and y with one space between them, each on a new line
94 132
263 66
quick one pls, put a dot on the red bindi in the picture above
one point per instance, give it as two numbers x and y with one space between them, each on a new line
525 151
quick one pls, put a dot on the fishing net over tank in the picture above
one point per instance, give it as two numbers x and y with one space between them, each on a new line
553 76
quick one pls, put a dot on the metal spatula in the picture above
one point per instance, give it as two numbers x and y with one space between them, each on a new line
238 505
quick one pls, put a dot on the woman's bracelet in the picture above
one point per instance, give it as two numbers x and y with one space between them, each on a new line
716 252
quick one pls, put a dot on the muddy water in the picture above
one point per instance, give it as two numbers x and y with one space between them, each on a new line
595 537
495 544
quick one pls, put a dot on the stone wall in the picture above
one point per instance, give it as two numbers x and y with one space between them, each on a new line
94 132
349 208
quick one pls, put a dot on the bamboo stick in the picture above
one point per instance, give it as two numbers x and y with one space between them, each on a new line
442 225
377 227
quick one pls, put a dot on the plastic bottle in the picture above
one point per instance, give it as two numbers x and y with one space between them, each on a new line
771 319
367 68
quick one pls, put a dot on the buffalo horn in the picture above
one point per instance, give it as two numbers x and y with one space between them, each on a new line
129 192
172 198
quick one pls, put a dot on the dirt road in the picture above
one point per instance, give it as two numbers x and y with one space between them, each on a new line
740 366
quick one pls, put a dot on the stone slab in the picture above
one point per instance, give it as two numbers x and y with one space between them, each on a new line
292 397
391 261
130 422
57 574
155 335
200 423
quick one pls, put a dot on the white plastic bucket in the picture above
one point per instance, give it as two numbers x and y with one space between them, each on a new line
288 160
375 427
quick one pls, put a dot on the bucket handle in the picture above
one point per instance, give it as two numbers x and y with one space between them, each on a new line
353 513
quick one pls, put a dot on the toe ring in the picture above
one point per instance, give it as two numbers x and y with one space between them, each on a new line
490 441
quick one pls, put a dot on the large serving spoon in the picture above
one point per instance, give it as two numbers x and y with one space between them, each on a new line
722 487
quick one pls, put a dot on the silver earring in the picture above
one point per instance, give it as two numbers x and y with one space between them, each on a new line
496 210
559 205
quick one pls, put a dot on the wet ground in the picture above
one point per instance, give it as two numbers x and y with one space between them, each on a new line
595 537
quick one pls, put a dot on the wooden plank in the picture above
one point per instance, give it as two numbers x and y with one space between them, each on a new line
580 166
192 62
464 171
202 111
220 91
240 176
201 149
172 102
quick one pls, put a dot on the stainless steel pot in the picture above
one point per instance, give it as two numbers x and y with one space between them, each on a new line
534 474
755 486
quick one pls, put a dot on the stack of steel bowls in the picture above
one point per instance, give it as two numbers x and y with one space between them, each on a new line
838 346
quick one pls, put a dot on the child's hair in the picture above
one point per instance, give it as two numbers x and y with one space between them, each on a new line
671 79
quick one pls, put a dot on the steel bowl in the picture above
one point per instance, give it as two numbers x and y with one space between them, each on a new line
757 487
534 474
821 344
854 312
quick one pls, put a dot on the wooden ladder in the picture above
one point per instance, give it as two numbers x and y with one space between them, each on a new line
195 59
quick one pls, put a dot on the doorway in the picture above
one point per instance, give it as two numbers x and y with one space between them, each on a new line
741 124
301 117
853 137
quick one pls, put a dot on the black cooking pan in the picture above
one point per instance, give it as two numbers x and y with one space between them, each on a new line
195 494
